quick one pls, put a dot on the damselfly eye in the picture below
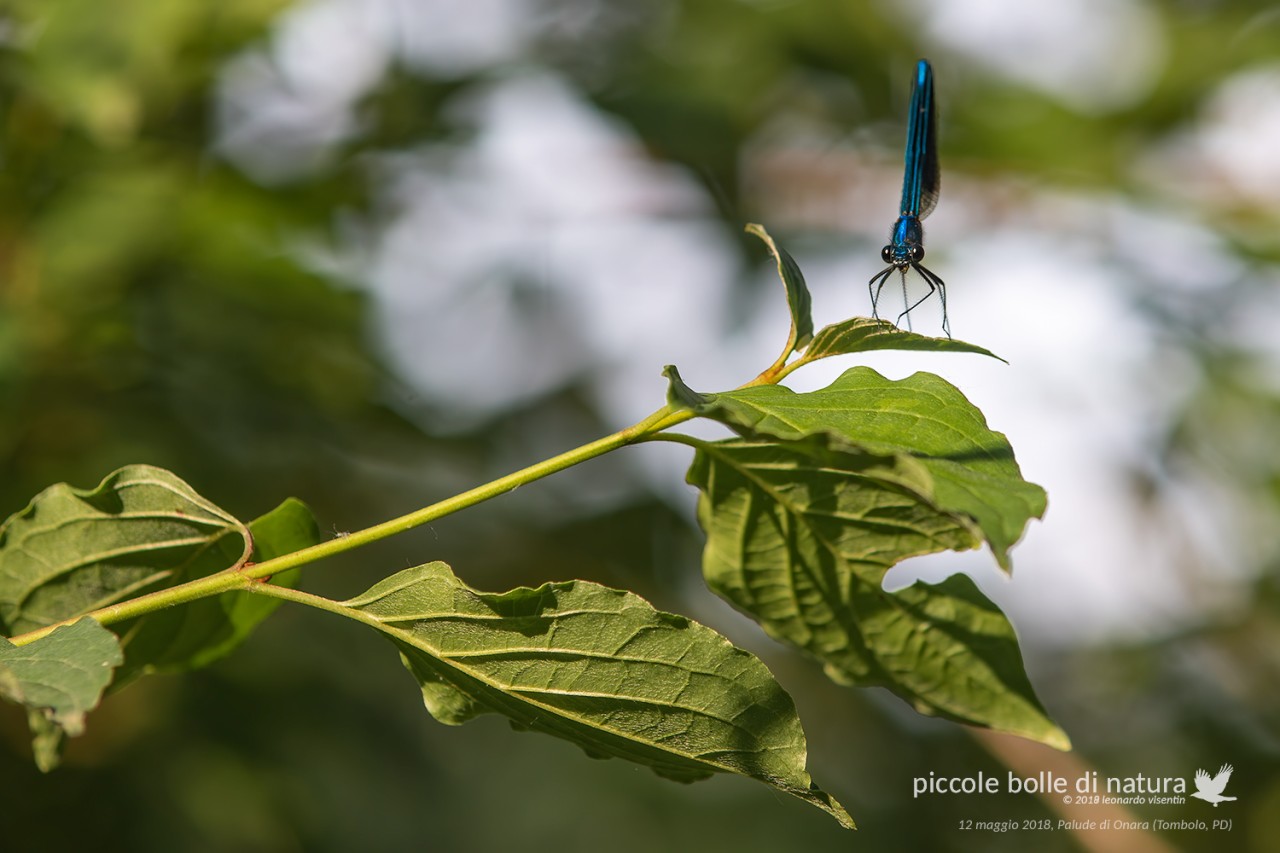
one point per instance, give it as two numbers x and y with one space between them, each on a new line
915 254
886 254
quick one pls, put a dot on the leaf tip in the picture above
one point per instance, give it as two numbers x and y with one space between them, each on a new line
798 298
1056 738
681 395
815 796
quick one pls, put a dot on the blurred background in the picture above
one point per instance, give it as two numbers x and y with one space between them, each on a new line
373 252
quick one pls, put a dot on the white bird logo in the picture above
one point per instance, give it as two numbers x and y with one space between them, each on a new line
1210 790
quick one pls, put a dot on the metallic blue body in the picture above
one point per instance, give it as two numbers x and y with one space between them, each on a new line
921 182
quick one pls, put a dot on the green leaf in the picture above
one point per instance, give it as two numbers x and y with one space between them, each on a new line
72 551
59 678
47 739
198 633
921 420
827 491
777 512
596 666
798 299
863 334
950 633
681 396
799 537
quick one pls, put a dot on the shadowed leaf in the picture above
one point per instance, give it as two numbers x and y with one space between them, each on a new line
800 536
826 492
599 667
72 551
198 633
59 678
798 300
76 550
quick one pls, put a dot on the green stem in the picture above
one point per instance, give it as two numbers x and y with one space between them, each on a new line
246 577
787 369
319 602
678 438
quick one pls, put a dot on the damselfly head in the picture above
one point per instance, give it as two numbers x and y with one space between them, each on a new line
902 256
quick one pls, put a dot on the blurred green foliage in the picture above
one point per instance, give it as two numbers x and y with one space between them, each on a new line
151 307
159 305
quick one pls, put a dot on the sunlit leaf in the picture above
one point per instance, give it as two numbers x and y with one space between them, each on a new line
59 678
863 334
599 667
922 419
